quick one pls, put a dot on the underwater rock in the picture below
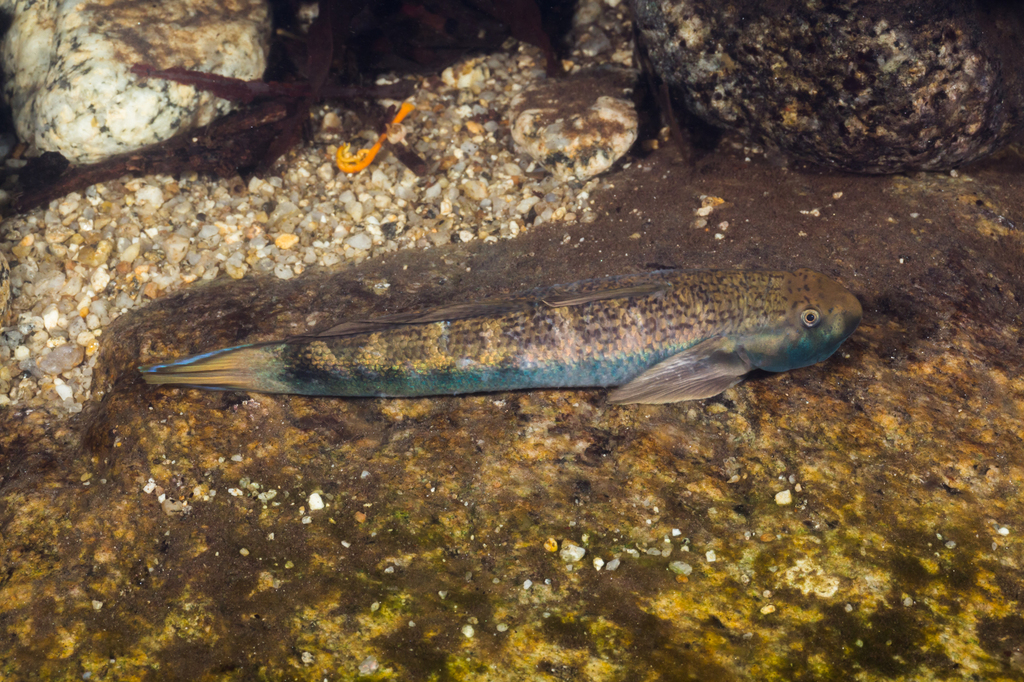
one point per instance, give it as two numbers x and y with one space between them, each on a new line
865 86
67 69
577 128
178 530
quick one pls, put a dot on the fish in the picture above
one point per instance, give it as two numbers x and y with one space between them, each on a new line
659 337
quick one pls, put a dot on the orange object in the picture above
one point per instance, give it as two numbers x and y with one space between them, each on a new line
353 163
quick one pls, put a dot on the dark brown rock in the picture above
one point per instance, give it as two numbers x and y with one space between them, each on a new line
870 86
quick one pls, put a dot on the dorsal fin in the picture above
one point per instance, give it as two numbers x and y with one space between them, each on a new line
576 294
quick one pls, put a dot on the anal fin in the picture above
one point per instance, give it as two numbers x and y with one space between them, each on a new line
701 371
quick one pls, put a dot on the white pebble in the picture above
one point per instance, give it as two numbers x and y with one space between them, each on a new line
467 630
64 391
680 568
315 502
598 563
360 241
355 210
152 196
50 317
524 206
612 565
784 497
325 172
175 248
1004 531
130 253
571 553
99 279
711 556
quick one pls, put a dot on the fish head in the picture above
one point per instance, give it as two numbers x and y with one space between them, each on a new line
817 314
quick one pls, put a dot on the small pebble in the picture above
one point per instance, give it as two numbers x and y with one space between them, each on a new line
680 568
149 196
368 665
286 241
783 498
571 553
360 241
62 358
175 248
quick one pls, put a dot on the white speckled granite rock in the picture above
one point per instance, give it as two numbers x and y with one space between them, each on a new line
576 128
67 68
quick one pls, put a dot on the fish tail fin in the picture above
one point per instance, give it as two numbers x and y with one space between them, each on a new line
253 367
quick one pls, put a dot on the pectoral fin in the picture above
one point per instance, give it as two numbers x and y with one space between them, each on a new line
701 371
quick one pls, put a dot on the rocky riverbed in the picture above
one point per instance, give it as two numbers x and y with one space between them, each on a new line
858 517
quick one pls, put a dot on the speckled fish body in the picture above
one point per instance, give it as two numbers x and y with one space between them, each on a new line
660 337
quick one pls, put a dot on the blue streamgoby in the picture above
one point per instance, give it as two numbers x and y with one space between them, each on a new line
660 337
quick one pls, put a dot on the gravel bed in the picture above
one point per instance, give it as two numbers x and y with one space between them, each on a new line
90 257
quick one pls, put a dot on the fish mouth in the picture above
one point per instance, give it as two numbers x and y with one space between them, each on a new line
851 316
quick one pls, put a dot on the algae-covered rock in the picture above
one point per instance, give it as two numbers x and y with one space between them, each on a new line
178 534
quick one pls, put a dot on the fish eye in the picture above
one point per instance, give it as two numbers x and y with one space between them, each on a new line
810 317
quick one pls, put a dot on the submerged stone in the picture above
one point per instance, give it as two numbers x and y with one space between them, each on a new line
869 86
192 516
68 77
